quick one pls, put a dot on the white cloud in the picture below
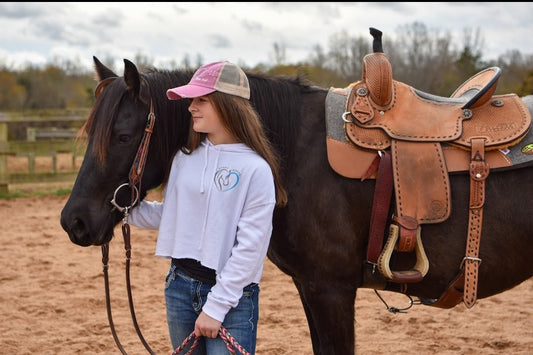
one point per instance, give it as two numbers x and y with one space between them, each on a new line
239 31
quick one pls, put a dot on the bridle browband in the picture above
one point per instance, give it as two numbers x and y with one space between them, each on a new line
134 183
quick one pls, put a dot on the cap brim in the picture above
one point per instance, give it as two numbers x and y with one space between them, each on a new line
188 92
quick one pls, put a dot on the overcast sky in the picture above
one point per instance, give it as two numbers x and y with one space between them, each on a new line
241 32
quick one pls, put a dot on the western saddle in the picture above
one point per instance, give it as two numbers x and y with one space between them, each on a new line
408 128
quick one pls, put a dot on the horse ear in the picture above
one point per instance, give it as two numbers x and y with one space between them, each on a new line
102 72
133 81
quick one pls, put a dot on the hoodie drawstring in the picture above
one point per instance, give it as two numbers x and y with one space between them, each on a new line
208 147
202 180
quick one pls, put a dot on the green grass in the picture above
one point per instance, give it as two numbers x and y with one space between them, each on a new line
33 190
10 195
17 193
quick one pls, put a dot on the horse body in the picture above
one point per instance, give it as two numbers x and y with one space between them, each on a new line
323 233
320 237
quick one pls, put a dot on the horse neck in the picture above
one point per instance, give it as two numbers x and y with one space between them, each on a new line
170 135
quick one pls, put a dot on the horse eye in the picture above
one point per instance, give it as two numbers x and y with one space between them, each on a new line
123 138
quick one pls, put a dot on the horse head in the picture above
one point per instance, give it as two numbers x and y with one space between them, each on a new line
114 131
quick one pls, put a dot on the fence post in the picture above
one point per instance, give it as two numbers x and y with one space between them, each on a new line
31 134
4 174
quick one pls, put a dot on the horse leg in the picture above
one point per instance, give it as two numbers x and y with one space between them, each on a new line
330 311
309 317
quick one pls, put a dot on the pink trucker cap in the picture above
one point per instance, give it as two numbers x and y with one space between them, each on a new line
223 76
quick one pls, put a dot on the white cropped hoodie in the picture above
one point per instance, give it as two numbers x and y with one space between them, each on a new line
217 208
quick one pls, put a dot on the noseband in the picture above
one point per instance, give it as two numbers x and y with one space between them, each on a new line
134 183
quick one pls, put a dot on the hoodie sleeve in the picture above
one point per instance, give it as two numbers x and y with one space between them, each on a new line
147 215
251 244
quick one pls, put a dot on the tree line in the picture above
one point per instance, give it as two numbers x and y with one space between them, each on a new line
428 60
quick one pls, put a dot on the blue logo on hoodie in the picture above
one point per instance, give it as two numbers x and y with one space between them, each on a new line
226 179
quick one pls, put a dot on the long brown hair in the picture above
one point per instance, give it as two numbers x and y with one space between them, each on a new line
242 121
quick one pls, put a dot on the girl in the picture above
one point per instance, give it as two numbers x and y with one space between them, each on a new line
215 220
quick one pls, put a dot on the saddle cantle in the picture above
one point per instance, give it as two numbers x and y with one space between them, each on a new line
426 137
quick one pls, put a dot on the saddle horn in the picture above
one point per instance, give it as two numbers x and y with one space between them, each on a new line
377 72
377 45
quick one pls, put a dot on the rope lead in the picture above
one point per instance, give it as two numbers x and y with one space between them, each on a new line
230 341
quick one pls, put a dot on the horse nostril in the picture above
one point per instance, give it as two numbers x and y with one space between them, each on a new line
77 227
78 232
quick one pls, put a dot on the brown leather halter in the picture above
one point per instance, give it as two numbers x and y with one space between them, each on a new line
135 177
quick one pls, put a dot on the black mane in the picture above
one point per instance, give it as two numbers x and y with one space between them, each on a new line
277 99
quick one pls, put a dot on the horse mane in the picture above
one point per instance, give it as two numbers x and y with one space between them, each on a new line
100 130
277 99
158 82
172 127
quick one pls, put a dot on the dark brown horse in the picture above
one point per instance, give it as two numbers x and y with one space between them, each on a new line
320 238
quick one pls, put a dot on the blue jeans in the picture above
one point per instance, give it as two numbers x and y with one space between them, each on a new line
185 297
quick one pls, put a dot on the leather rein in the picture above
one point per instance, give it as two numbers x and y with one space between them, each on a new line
134 183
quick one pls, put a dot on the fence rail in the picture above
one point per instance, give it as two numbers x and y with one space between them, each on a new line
47 134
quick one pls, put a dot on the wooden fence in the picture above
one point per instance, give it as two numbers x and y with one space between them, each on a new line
35 134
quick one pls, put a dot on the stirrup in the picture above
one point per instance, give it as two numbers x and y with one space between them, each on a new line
414 275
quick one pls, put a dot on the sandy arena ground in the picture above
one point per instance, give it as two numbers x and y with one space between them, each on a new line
52 300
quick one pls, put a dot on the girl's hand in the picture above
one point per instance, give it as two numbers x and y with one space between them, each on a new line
206 326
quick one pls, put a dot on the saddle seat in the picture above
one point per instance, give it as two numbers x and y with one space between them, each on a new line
385 115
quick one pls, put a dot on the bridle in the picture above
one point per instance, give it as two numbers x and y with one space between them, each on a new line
134 183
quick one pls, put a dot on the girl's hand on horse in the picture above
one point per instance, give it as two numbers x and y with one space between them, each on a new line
206 326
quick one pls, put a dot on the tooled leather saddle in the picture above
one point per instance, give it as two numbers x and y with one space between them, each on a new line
409 141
